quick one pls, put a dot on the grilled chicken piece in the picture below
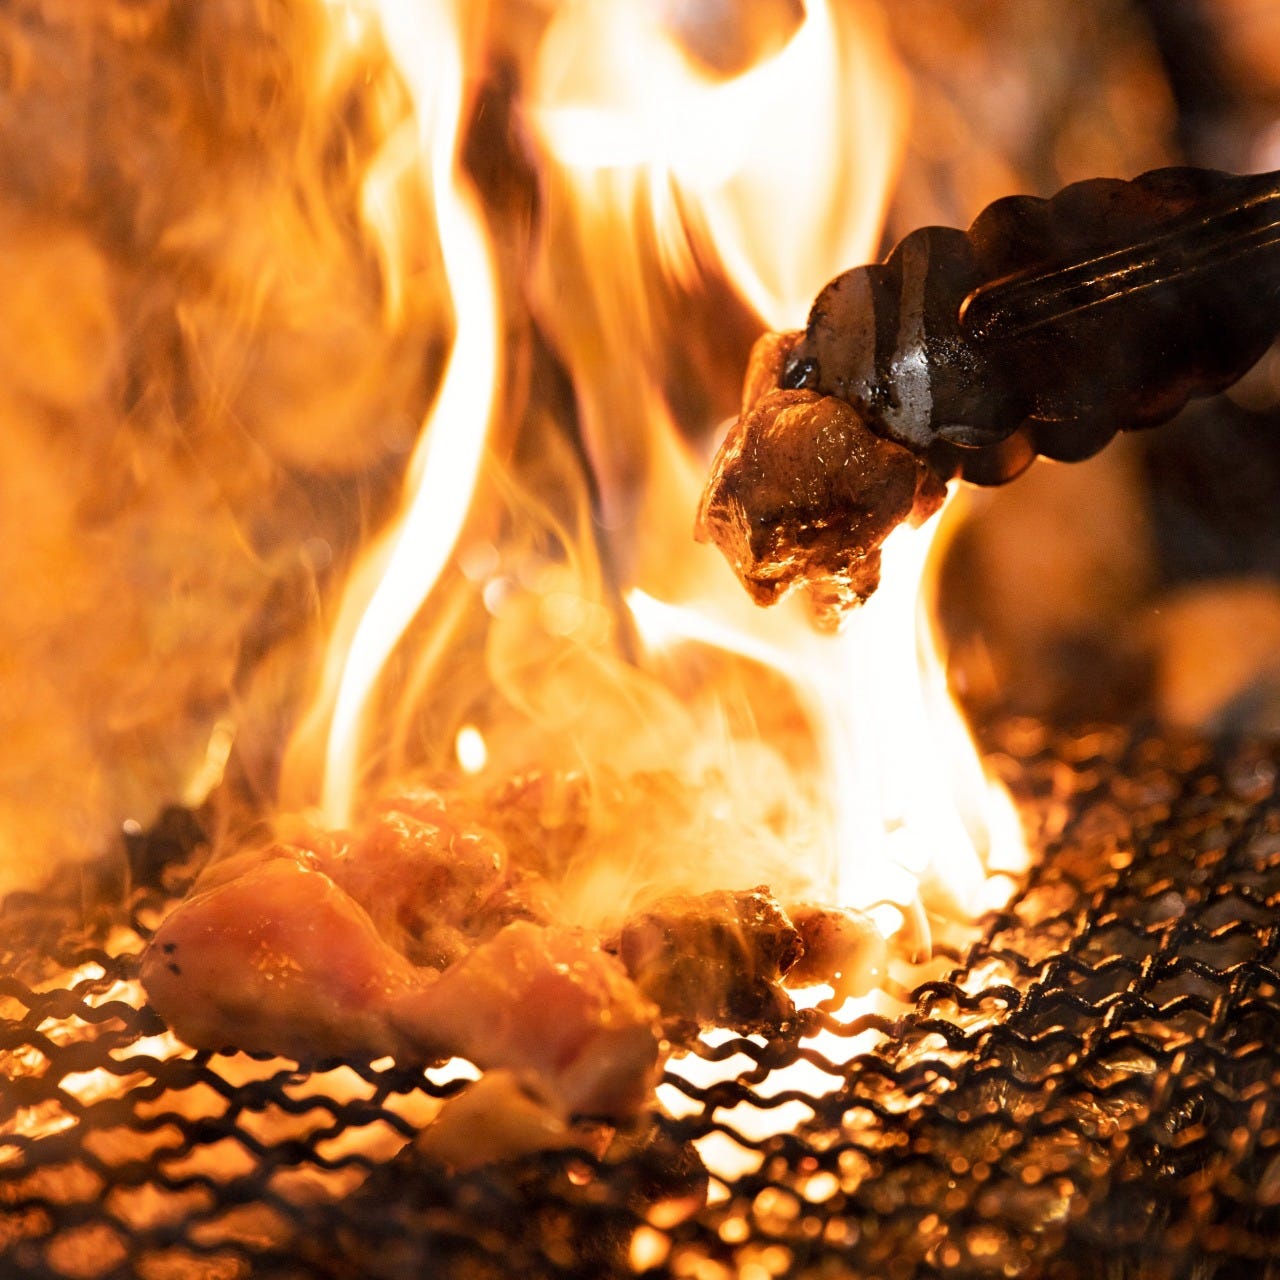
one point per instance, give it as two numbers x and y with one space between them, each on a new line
713 959
403 940
548 1001
842 948
723 958
802 492
433 884
278 959
407 939
1044 329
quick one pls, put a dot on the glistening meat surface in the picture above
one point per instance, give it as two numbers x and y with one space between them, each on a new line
310 950
418 936
802 492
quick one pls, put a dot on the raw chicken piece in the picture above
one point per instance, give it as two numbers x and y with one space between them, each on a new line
500 1117
406 938
548 1001
314 950
279 960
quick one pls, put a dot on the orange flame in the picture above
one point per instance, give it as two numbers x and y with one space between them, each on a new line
753 170
662 174
781 170
397 573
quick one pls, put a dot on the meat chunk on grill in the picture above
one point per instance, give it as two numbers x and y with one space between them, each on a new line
714 959
546 1000
417 937
278 959
842 948
402 940
722 958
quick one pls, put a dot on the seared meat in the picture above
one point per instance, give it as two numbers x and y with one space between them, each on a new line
434 884
842 948
714 959
549 1001
278 959
1045 328
722 959
416 937
803 492
401 940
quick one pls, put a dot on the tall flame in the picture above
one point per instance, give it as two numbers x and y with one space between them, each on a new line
397 573
779 174
666 174
781 170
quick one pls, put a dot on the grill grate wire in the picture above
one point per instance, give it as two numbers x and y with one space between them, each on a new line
1090 1088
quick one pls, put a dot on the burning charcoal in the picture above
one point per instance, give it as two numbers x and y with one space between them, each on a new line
842 947
714 959
671 1181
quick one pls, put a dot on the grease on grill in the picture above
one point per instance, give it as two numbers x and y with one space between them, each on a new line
1090 1090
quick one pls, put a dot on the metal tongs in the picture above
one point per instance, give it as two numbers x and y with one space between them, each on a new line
1044 329
1238 234
1051 324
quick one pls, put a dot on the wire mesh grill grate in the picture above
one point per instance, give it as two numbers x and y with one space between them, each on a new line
1091 1090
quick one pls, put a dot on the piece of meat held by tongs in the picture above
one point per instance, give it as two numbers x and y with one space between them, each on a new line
1044 329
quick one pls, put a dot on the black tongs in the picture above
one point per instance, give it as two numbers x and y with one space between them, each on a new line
1051 324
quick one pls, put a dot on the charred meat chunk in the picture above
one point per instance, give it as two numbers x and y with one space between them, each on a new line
803 493
1043 330
714 959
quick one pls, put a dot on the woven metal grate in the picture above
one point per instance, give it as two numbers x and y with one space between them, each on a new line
1090 1089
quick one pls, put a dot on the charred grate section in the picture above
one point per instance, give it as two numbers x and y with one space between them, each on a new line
1090 1089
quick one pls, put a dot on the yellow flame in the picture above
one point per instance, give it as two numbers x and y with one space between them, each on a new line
781 172
912 812
397 573
810 133
471 749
